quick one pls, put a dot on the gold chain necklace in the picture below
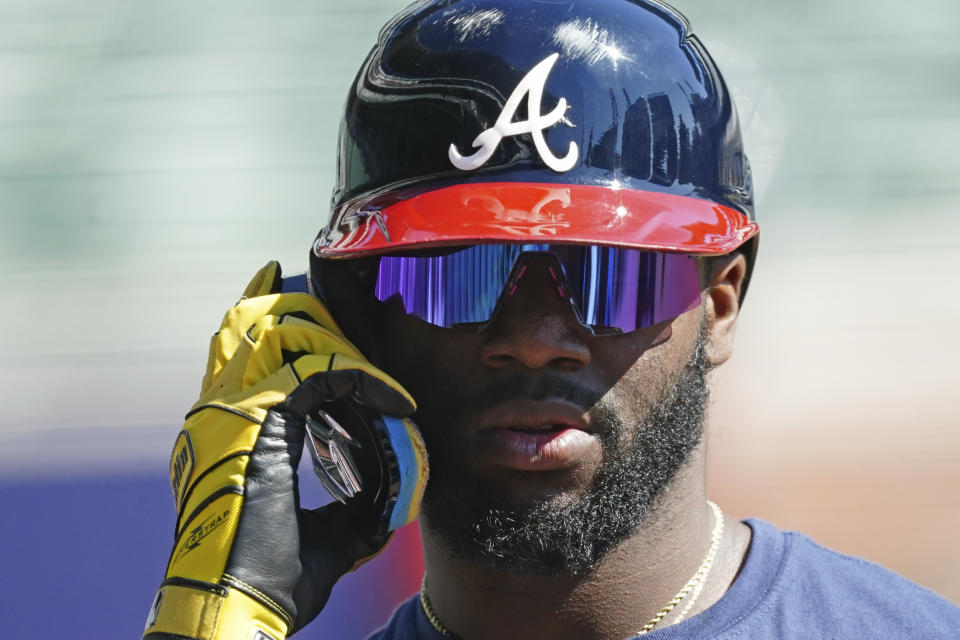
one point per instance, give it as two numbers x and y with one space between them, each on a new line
428 609
696 582
695 585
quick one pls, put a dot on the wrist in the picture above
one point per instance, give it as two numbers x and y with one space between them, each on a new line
200 611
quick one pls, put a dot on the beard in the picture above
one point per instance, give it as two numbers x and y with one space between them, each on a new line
570 537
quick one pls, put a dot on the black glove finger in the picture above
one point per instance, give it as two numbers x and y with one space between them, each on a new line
325 387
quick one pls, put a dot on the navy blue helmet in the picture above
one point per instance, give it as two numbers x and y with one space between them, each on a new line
585 122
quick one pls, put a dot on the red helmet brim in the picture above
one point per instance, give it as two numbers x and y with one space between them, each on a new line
542 213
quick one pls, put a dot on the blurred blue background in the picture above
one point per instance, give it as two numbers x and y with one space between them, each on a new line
154 154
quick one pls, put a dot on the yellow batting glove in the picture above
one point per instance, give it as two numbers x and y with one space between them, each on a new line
247 562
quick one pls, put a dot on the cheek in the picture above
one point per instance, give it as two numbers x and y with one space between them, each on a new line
640 376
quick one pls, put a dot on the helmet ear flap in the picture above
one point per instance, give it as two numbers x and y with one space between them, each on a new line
346 288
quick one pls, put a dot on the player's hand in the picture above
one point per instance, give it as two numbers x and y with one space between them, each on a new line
247 561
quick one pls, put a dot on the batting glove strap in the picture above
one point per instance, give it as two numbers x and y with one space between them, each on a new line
212 612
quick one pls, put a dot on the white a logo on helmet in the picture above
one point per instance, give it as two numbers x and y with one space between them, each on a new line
530 86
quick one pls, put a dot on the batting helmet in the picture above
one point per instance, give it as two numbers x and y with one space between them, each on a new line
590 122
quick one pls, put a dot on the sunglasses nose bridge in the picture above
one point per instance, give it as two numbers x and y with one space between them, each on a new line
537 288
535 323
545 262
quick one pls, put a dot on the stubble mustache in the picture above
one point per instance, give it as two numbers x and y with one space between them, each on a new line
594 400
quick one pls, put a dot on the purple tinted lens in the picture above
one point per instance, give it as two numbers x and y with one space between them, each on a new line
449 289
629 289
626 289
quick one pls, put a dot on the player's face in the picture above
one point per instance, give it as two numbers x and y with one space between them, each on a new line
538 430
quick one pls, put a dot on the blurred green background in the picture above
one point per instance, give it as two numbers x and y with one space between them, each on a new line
154 154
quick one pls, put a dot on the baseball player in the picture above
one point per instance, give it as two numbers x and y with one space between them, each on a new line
541 238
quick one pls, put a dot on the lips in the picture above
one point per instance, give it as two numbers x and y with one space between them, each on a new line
530 435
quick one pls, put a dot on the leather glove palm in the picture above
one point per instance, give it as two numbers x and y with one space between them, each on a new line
247 561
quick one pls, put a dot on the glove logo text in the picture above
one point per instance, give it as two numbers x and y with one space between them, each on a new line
531 86
201 531
181 465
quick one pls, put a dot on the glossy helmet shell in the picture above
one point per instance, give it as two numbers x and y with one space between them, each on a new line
588 121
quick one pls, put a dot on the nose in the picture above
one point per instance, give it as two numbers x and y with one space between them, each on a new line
535 325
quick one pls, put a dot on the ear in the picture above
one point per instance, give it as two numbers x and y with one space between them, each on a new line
727 275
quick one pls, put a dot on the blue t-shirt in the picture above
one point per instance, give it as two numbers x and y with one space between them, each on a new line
789 588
